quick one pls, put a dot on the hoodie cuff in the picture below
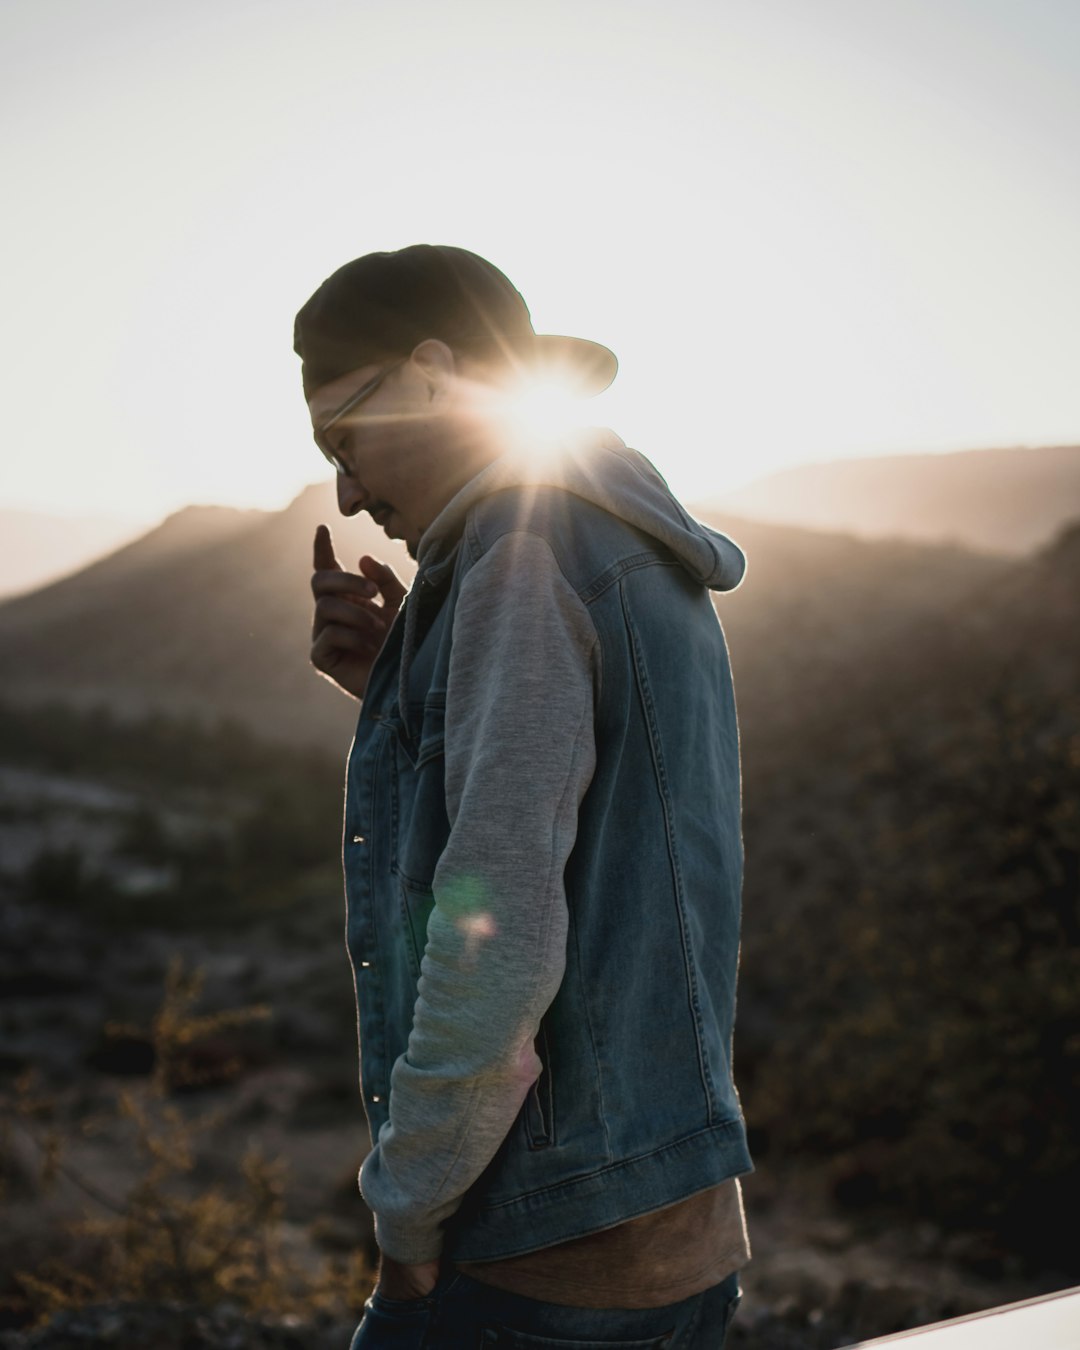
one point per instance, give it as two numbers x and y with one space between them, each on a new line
410 1244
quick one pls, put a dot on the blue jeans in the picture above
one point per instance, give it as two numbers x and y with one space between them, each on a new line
461 1313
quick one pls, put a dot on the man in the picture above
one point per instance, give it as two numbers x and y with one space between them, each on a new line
542 849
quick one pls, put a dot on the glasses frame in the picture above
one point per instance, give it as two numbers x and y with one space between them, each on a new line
365 391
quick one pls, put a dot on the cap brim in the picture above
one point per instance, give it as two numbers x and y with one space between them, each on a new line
586 367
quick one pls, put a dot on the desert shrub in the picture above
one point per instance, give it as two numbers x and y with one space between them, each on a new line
164 1239
917 1030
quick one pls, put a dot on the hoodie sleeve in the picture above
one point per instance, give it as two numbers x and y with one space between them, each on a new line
520 753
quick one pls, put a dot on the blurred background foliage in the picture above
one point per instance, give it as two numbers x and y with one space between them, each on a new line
909 1014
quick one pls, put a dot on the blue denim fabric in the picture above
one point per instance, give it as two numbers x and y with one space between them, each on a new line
636 1107
462 1313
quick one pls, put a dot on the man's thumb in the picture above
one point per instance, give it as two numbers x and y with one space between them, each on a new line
325 559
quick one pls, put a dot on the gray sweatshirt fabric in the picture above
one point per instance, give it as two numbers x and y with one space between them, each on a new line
519 757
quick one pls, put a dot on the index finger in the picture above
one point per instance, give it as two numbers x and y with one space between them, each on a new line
324 557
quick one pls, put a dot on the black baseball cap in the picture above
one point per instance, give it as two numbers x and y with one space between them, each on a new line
383 304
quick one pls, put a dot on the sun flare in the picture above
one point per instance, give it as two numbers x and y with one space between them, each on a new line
541 413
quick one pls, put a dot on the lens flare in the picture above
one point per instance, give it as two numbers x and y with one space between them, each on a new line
542 413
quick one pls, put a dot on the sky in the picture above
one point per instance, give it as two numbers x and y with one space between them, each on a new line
808 230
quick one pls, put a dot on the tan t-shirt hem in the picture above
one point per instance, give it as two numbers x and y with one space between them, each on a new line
634 1264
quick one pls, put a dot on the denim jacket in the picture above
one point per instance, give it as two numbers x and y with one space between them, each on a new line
632 1104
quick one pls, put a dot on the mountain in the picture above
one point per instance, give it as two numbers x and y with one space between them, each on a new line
103 584
817 609
1007 501
209 614
39 548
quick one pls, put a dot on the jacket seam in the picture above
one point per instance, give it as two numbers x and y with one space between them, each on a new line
519 529
617 571
598 1172
592 1040
554 880
593 589
656 754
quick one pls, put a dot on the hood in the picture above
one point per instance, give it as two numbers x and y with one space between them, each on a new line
598 467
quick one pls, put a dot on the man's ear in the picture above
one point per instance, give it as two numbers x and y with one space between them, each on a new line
434 364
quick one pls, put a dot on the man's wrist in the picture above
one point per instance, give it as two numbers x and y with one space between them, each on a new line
400 1281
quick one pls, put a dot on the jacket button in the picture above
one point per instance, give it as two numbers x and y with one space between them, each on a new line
376 1098
365 964
358 839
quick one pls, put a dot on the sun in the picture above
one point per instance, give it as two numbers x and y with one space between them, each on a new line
542 412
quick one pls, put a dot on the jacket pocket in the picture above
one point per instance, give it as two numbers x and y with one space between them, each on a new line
422 827
540 1102
417 902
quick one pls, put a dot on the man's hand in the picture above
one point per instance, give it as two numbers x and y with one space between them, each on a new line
350 623
401 1281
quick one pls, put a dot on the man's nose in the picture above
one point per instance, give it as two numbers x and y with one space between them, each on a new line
351 496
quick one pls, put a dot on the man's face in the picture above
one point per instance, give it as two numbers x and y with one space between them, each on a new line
390 445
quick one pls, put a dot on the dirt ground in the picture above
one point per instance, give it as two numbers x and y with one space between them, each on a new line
819 1278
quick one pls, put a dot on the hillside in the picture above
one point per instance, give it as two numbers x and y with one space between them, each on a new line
1006 501
912 916
38 548
210 614
183 534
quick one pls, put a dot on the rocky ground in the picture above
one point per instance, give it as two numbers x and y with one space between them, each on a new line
820 1278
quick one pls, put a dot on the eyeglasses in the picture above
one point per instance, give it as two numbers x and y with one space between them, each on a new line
365 391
